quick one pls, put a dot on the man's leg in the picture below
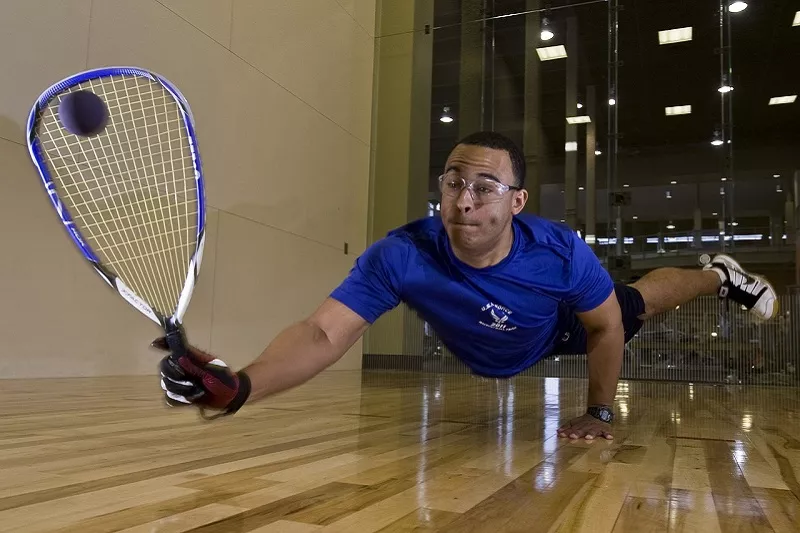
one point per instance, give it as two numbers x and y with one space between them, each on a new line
664 289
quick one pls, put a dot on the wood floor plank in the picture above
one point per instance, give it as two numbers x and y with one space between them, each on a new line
692 511
781 508
642 515
420 521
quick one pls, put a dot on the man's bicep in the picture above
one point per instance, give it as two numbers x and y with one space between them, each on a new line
606 315
341 325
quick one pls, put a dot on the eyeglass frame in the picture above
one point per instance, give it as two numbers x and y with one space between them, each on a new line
468 185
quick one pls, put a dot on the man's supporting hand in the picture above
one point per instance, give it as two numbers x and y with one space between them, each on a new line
587 427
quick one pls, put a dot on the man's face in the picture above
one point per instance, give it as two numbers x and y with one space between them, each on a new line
472 222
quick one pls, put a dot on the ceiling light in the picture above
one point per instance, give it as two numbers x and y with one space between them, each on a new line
714 214
677 110
583 119
446 118
776 100
548 53
776 175
546 33
571 146
736 7
670 226
598 152
635 217
717 139
673 182
580 188
723 178
626 185
725 88
612 101
580 105
669 195
796 21
678 35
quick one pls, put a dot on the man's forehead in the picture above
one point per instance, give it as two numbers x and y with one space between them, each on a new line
480 157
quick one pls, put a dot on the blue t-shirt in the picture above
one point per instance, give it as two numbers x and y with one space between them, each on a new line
498 320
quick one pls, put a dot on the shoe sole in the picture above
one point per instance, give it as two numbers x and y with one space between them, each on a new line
732 263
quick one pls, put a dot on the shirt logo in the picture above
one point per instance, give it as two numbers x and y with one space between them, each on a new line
498 316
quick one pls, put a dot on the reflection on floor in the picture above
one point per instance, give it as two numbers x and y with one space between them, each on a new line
393 451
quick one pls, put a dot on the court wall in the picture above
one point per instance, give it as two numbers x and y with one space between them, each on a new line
281 93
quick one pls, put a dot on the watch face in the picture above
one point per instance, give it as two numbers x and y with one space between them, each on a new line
603 413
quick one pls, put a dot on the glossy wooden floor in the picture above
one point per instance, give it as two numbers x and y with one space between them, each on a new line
397 452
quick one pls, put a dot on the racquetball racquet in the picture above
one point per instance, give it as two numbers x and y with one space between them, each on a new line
130 194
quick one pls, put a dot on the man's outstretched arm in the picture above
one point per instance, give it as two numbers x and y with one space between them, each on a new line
305 349
297 354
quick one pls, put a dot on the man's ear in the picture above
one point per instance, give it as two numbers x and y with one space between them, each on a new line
520 199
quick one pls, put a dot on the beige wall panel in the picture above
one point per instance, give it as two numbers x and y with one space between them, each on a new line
41 42
266 281
212 17
267 156
314 49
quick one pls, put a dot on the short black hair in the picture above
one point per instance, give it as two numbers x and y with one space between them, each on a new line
498 141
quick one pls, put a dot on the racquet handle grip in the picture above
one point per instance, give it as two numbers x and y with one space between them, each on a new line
176 341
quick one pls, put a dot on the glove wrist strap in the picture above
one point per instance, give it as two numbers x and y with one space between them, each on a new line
242 394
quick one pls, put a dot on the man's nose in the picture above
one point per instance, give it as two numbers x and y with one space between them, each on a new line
465 201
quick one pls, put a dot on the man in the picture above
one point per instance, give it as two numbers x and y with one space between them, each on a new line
502 290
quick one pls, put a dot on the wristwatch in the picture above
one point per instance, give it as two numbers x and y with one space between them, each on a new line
601 412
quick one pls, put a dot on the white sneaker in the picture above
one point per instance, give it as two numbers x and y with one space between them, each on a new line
753 292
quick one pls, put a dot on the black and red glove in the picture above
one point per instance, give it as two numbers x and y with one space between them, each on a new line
197 378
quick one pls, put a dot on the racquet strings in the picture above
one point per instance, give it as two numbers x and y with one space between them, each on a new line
131 190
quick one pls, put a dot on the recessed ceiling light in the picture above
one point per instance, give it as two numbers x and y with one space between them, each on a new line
571 146
776 100
677 35
677 110
612 101
635 217
626 185
547 53
673 182
776 175
580 105
714 214
583 119
796 21
580 188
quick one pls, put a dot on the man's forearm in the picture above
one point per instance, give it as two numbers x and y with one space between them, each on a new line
297 354
605 347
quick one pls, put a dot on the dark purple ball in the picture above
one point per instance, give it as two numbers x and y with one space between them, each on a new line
83 113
